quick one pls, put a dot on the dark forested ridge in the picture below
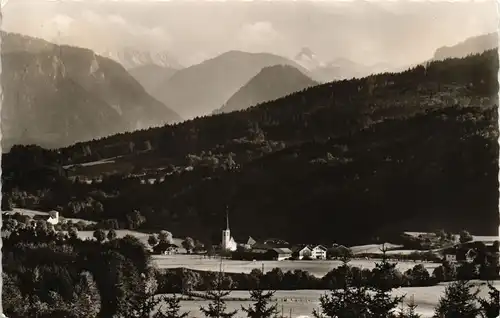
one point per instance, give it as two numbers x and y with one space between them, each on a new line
58 95
340 161
269 84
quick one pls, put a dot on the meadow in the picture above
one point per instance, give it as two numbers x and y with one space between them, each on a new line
316 267
301 303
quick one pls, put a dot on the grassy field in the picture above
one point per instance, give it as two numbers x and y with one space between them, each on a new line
316 267
301 303
375 248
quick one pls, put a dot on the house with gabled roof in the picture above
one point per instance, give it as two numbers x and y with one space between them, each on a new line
301 252
309 251
280 254
319 252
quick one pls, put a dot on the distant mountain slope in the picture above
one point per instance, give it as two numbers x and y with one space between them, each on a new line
131 57
473 45
200 89
307 58
271 83
58 95
149 76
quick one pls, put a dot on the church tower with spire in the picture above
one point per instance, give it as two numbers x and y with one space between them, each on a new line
228 243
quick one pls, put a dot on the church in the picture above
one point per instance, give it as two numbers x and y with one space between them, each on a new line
228 243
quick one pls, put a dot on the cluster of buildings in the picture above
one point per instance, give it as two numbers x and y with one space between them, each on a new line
253 250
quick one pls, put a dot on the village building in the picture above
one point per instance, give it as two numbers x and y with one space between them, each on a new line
301 252
280 254
228 244
53 217
318 252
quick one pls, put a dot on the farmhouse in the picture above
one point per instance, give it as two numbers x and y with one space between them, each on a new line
309 252
280 254
318 252
165 248
459 253
301 251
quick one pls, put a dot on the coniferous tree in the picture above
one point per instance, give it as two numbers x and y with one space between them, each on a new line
382 304
262 307
490 307
458 301
173 309
217 308
409 311
348 302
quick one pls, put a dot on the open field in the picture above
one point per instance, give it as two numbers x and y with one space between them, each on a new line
301 303
481 238
316 267
373 248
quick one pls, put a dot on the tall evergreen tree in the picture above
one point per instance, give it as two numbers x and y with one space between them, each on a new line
262 307
459 301
217 308
348 302
382 303
409 311
173 309
490 307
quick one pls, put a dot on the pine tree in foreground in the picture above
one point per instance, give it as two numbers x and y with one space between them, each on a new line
382 304
262 307
349 302
217 307
173 309
490 308
459 301
409 311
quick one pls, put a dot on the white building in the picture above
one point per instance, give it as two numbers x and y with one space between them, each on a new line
53 217
318 252
228 243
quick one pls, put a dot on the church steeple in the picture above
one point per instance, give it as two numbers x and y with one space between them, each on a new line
227 218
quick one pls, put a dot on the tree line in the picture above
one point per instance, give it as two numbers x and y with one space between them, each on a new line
56 274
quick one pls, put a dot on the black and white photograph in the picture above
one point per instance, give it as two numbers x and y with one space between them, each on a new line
260 159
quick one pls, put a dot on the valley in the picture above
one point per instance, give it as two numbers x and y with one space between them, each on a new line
188 162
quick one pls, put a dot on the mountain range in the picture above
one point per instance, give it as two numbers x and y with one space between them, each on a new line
342 161
270 83
200 89
130 57
58 95
151 75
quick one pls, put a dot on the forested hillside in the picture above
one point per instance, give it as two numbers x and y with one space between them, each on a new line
340 161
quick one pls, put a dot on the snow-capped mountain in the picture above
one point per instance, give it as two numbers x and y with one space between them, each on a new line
308 59
130 57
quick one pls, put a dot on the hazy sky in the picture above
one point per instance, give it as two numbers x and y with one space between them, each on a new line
398 32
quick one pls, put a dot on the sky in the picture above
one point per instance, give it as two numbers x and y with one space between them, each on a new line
367 32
